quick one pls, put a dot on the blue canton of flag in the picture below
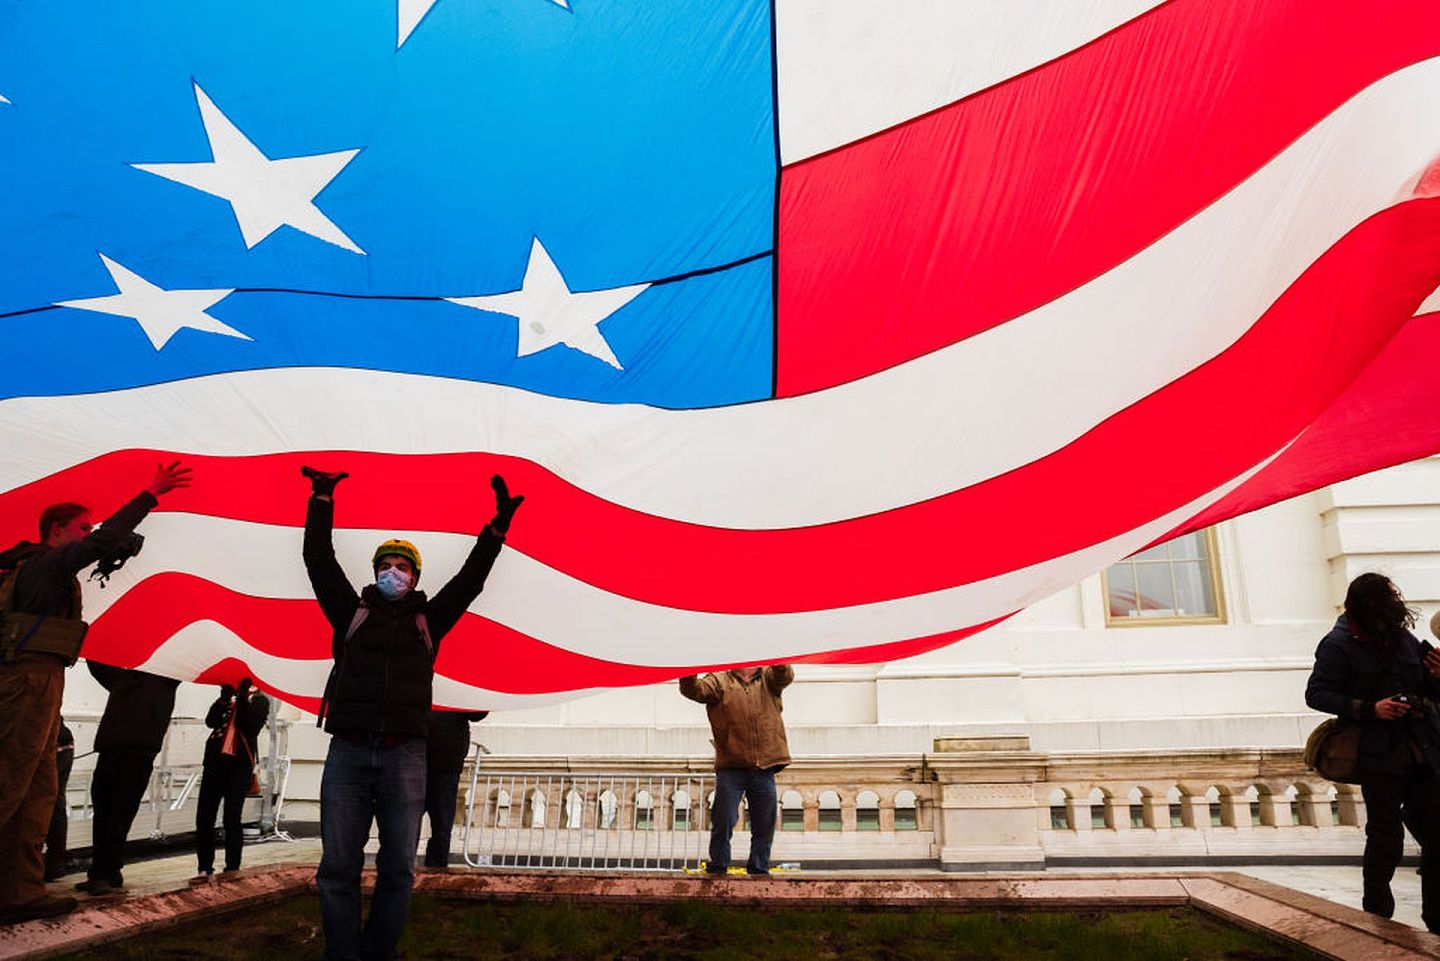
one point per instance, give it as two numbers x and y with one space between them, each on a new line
576 200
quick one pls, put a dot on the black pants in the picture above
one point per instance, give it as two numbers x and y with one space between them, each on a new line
441 788
1391 803
115 791
56 857
225 778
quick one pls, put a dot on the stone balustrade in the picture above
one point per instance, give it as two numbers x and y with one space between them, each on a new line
973 804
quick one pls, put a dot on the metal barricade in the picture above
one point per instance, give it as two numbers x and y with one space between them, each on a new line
638 821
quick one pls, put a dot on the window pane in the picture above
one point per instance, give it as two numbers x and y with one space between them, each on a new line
1120 582
1196 587
905 819
1157 596
792 819
867 819
1173 580
1190 547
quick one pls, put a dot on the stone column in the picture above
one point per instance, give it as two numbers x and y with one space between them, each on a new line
1316 809
986 818
1275 811
1117 811
1157 812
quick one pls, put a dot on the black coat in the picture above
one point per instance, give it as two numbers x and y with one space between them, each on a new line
383 675
448 741
1353 672
137 712
47 583
251 717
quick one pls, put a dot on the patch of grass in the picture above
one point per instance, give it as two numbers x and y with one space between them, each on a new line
699 930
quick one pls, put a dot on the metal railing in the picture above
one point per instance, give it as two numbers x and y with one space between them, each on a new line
168 807
589 821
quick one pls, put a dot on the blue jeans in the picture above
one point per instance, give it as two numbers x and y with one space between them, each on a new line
758 788
362 784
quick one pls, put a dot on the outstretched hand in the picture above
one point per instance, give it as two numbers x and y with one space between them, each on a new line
168 478
505 505
321 483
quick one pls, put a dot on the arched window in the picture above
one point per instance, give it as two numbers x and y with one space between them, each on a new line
1136 799
829 811
792 811
1217 810
867 811
502 808
680 810
1177 807
644 811
905 812
1099 811
1252 797
574 809
537 809
1059 811
605 807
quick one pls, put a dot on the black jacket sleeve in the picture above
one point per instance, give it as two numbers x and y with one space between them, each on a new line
445 608
44 585
253 714
333 590
75 557
1328 690
216 715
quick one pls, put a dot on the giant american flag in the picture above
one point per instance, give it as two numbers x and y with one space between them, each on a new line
813 330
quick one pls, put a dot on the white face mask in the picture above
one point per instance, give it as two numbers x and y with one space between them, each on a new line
393 583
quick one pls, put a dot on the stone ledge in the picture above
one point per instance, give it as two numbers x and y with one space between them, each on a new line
1329 929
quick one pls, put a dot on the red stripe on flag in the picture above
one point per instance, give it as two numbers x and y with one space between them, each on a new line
1234 411
477 652
952 223
1389 412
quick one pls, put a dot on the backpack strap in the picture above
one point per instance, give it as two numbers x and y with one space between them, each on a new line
362 611
424 625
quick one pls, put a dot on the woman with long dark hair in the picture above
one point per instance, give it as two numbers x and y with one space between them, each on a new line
1370 670
235 720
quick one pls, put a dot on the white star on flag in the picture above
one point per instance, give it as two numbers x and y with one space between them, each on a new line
3 98
161 313
409 13
549 313
265 194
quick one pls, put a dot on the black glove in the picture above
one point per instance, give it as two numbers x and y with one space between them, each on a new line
321 483
505 505
245 687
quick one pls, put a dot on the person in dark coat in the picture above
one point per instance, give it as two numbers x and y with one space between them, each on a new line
375 707
1371 671
132 731
235 720
447 744
32 682
57 858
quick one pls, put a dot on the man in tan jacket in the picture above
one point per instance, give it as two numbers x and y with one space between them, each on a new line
749 735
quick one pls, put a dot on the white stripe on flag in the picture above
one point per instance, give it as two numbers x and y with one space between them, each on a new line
847 68
937 424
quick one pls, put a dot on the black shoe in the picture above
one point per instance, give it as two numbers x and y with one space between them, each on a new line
46 907
99 887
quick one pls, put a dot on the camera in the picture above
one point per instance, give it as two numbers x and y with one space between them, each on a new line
113 561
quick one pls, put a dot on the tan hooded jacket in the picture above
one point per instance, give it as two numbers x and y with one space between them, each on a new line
744 716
